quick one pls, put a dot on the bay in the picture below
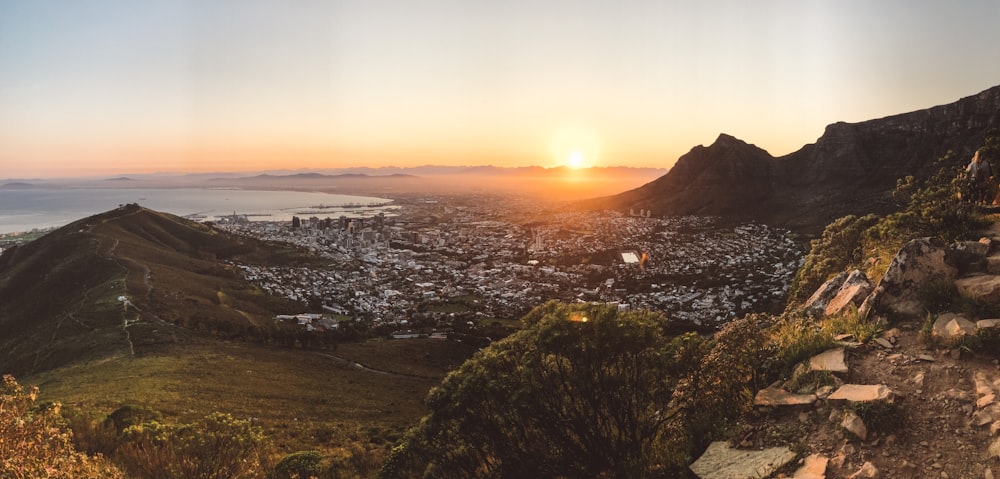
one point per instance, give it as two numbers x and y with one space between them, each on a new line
23 210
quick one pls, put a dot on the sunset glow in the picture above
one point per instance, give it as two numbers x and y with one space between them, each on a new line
113 86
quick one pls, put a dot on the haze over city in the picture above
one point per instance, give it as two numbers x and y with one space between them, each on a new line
115 87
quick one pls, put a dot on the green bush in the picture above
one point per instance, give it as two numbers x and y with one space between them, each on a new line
299 465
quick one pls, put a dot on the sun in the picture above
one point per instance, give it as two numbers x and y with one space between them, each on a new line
575 147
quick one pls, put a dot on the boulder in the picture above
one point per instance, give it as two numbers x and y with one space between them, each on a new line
853 291
984 288
918 263
816 304
723 462
862 393
831 360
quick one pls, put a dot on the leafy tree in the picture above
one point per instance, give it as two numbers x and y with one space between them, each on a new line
581 391
34 442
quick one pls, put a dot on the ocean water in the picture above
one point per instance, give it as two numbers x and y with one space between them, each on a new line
31 208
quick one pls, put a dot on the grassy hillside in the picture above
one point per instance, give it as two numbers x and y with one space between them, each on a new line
302 399
193 338
61 295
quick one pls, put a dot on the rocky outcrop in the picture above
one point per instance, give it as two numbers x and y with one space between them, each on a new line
918 265
851 169
853 292
815 306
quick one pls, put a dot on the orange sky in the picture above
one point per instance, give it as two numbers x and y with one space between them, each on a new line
105 87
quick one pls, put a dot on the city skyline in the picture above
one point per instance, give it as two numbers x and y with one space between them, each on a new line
107 87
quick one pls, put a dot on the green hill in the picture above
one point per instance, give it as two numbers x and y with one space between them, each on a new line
134 306
114 282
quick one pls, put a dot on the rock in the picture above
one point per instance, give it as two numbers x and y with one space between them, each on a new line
855 425
984 288
986 415
824 392
951 325
862 393
831 360
867 471
853 291
918 379
986 400
968 256
814 467
773 396
918 263
994 448
987 323
926 357
816 304
988 474
884 343
994 427
983 386
993 264
723 462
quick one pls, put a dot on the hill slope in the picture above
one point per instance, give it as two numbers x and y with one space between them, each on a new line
849 170
109 284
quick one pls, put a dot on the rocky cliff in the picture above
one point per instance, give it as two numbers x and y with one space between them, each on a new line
851 169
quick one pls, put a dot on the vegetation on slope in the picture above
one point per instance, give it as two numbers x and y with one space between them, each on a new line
929 208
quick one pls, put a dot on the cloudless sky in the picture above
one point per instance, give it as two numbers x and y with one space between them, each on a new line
125 86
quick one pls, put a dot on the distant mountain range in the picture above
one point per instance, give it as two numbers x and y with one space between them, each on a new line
851 169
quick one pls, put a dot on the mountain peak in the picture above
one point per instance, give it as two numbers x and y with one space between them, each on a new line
851 169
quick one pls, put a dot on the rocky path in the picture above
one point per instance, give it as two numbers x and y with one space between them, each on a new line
939 416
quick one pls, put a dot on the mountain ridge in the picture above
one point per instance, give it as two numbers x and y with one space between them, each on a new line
851 169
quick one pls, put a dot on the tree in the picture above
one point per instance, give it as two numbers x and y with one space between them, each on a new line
581 391
34 442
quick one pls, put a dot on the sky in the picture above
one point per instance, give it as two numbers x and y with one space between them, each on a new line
101 87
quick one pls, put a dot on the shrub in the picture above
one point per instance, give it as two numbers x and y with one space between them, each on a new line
34 442
299 465
839 248
216 447
851 322
796 338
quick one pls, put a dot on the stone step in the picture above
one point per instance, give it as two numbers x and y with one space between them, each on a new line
980 287
775 396
850 393
720 461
